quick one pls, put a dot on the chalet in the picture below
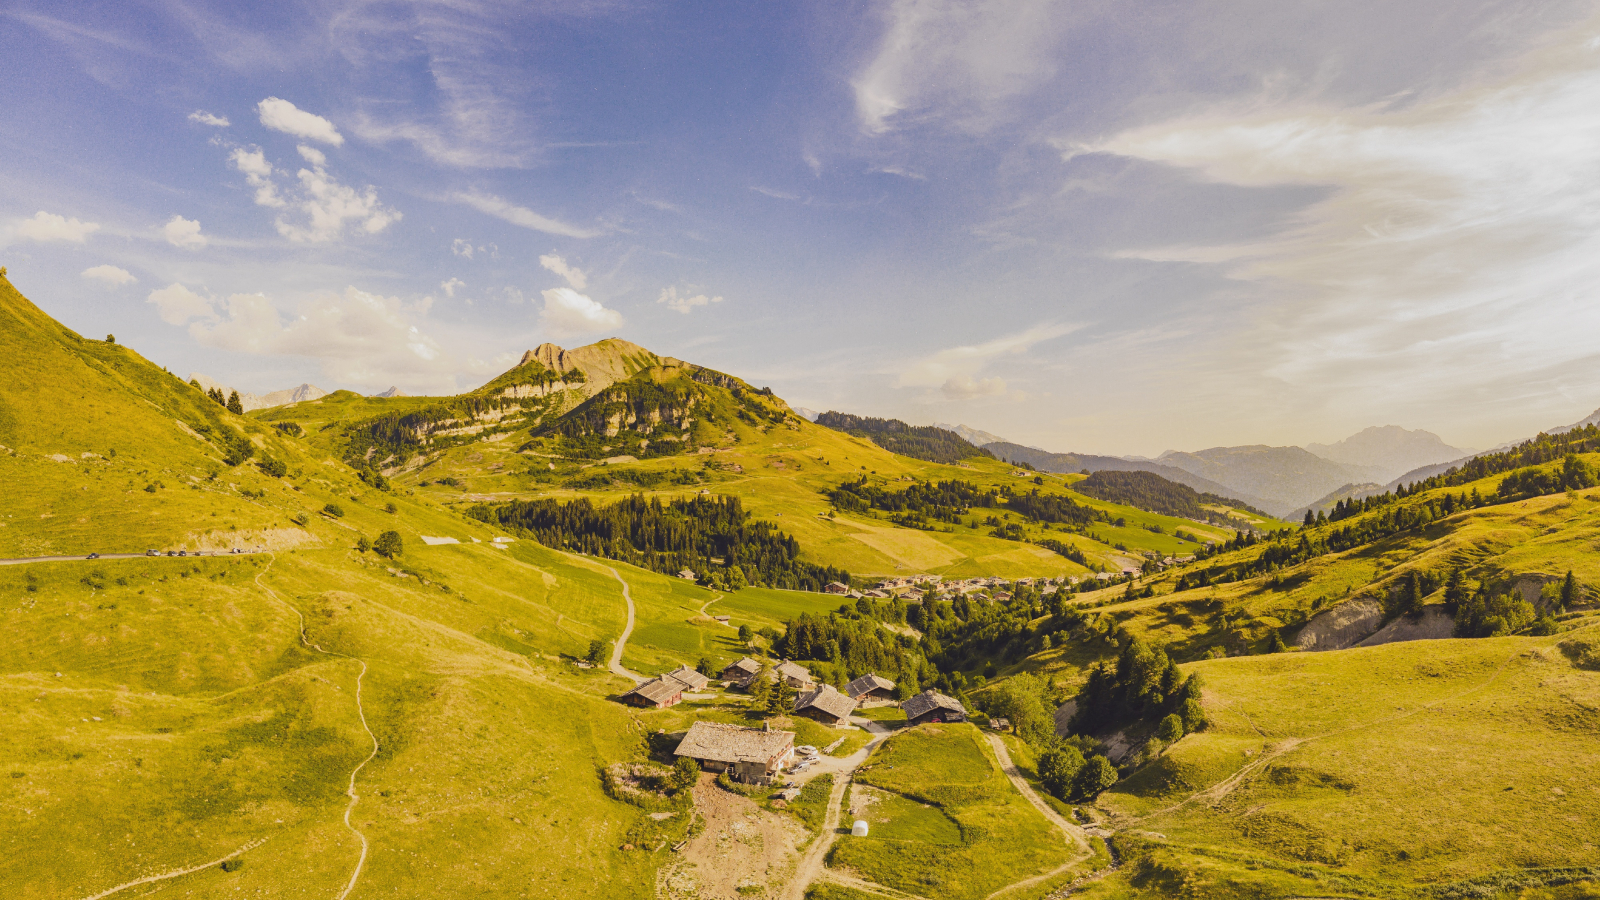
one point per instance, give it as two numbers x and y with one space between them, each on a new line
877 595
749 755
1002 597
798 676
826 705
870 687
688 575
932 706
667 689
835 587
741 672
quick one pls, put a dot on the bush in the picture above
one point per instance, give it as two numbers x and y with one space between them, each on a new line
363 544
232 865
300 519
1096 775
1194 717
1058 766
685 772
1170 729
333 510
274 468
389 544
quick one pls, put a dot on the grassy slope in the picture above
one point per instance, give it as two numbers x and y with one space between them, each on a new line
951 825
187 719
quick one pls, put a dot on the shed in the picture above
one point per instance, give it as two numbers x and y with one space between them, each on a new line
826 705
798 676
932 706
871 686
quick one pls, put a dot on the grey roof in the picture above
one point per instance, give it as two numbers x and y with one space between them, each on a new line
928 701
732 743
828 699
787 669
657 690
868 683
747 666
689 678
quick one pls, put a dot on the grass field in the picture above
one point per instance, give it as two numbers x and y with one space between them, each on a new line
948 823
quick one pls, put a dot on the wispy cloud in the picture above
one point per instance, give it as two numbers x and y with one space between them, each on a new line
205 118
954 371
686 301
501 208
568 313
574 276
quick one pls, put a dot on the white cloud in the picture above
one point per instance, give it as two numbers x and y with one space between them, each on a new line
359 337
522 216
960 59
1454 251
569 313
177 304
258 172
683 302
112 275
312 155
185 233
205 118
461 247
281 115
449 287
954 371
965 387
50 227
574 276
329 206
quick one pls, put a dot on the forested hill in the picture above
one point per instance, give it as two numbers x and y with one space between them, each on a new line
916 441
1149 491
1046 461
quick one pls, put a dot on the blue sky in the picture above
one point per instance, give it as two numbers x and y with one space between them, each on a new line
1101 227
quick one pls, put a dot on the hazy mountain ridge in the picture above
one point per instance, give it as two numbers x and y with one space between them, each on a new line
1062 463
253 402
972 435
1390 449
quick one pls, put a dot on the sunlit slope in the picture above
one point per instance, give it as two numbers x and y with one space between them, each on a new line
1411 769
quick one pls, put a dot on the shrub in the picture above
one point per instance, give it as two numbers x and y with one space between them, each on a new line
273 468
333 510
1194 717
1170 729
389 544
685 772
300 519
232 865
1058 766
363 544
1096 775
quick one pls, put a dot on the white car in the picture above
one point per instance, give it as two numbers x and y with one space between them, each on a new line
806 750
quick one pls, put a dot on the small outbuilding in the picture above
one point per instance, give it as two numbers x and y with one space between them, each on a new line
826 705
932 706
871 686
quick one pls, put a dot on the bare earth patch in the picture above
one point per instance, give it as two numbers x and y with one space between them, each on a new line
742 846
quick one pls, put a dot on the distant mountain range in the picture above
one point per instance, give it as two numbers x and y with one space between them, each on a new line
265 401
974 436
1390 449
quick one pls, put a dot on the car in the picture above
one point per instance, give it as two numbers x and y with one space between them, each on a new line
172 553
183 553
806 750
93 556
152 553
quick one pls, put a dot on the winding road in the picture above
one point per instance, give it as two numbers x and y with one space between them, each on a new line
1074 835
616 665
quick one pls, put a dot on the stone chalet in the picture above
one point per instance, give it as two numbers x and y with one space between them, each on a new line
932 706
826 705
870 687
666 690
749 755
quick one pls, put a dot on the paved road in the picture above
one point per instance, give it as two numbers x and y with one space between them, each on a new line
85 557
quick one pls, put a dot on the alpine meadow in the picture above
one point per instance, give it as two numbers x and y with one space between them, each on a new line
748 460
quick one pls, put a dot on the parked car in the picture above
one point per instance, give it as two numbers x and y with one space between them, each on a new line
152 553
806 750
93 556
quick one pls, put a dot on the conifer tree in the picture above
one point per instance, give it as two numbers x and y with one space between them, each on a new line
235 405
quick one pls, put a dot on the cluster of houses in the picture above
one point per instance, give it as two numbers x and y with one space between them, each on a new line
917 588
757 755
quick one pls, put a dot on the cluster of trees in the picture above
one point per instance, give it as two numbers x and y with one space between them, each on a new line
1054 508
895 436
914 506
1149 491
1144 683
230 402
1575 474
851 642
706 535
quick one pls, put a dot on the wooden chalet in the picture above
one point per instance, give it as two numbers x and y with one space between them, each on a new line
870 687
741 672
932 706
826 705
798 676
666 690
834 587
748 755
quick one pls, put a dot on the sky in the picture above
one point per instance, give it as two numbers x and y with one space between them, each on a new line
1084 226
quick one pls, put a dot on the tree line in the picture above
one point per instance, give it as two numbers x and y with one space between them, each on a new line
916 441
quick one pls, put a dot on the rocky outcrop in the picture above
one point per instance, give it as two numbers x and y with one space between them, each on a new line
1434 624
603 364
1343 626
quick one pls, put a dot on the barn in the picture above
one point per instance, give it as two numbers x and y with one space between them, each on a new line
826 705
870 687
932 706
748 755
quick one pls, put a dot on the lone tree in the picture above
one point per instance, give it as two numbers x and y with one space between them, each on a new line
235 405
1170 730
706 667
388 544
1569 591
1096 775
597 652
685 772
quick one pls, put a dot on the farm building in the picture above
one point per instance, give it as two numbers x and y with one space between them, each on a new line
835 587
870 687
745 670
932 706
826 705
666 690
742 671
798 676
749 755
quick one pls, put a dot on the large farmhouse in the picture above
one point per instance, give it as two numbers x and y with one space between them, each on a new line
749 755
826 705
666 690
932 706
870 687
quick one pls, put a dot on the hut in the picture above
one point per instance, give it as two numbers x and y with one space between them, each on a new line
748 755
826 705
871 686
932 706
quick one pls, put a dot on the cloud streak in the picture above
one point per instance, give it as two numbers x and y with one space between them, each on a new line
521 216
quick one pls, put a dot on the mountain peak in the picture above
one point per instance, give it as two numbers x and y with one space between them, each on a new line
1389 448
